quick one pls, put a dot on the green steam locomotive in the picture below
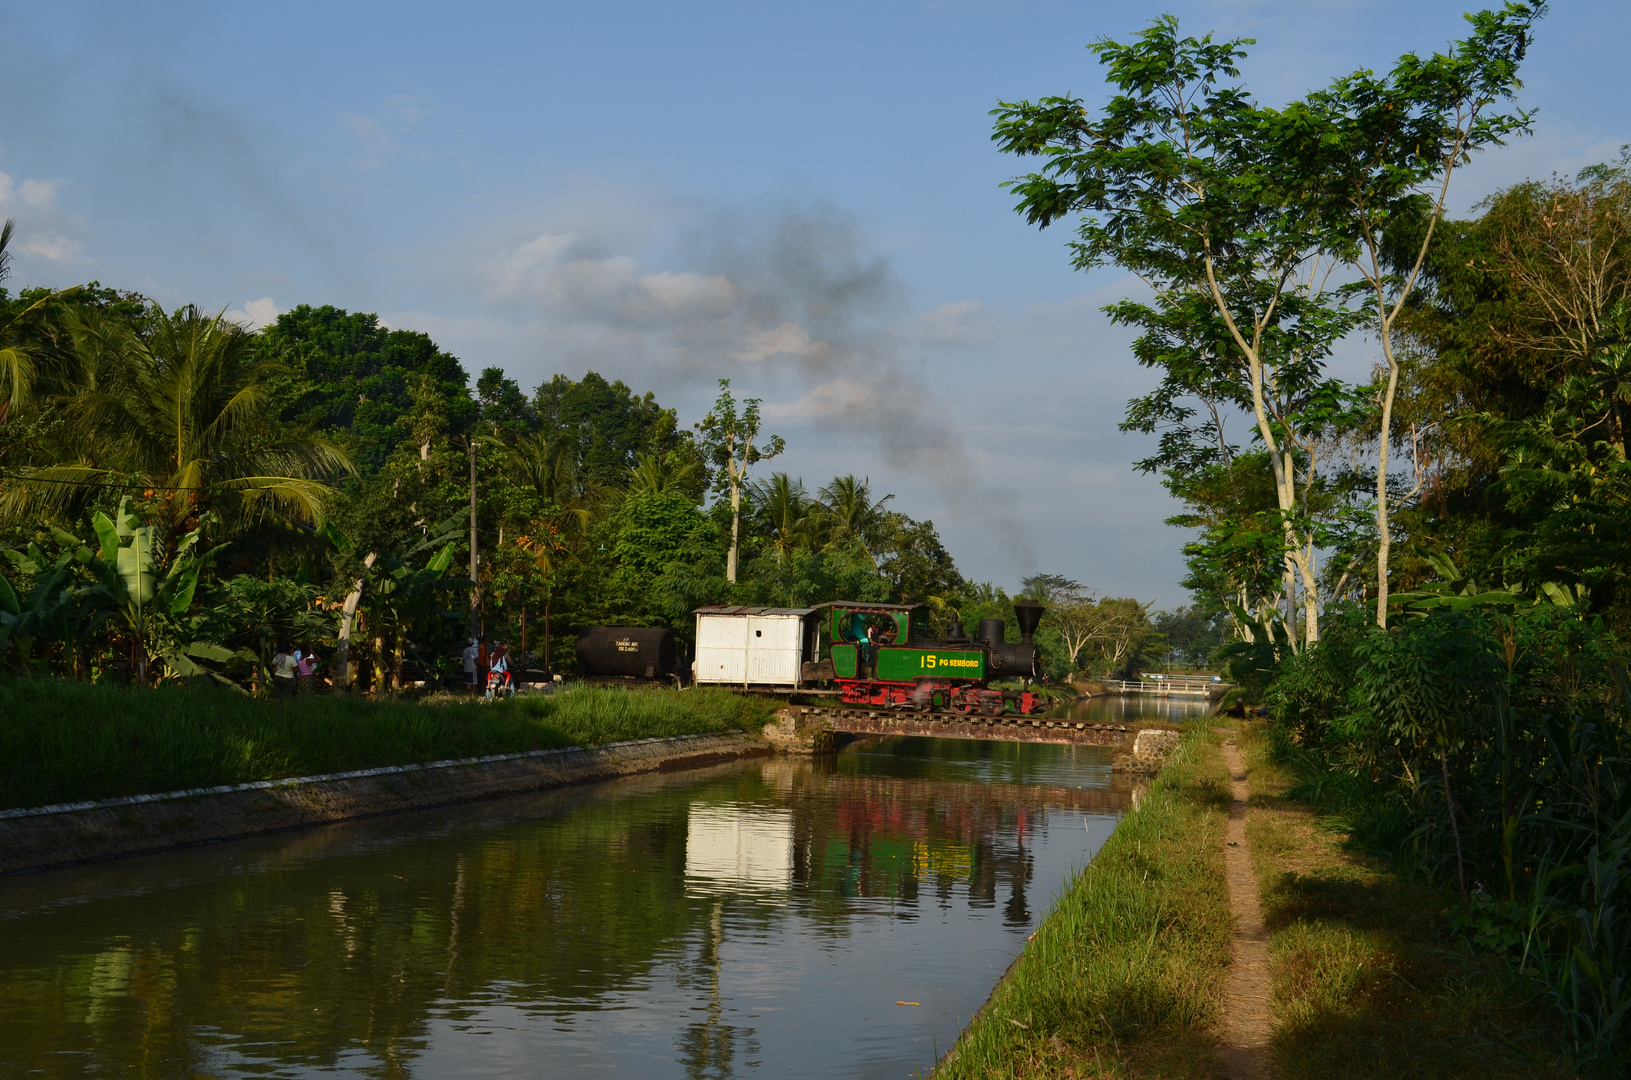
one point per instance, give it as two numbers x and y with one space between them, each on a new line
883 654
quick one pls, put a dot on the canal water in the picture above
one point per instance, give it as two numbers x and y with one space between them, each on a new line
772 917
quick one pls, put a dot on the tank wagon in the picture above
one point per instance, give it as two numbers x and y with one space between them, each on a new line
874 654
630 653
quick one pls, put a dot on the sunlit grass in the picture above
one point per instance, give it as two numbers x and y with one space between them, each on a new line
65 742
1125 976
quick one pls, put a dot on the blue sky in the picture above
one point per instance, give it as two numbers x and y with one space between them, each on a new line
801 197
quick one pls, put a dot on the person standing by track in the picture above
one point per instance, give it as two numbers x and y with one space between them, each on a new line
305 670
472 653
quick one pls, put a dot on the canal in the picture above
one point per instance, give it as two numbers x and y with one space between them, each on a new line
771 917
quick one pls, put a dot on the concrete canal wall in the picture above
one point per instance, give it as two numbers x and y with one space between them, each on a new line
39 838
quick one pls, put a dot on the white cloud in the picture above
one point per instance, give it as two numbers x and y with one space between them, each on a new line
952 323
256 313
40 194
519 273
685 293
787 339
841 397
610 289
42 229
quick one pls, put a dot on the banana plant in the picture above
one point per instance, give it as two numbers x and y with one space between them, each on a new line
148 595
407 595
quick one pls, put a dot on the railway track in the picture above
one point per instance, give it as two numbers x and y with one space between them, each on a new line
1006 727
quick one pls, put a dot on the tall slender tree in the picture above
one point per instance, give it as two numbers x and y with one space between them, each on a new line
1379 152
729 437
1173 181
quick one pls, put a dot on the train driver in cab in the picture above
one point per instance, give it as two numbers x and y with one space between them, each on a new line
858 633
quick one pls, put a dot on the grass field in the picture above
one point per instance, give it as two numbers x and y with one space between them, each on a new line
65 742
1125 976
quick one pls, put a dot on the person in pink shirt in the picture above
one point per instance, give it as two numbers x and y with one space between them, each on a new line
305 670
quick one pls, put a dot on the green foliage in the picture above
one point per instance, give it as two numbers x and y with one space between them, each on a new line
1190 636
348 375
1487 745
175 408
609 427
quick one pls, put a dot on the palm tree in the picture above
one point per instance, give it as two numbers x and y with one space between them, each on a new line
788 512
18 361
849 514
546 463
654 474
179 414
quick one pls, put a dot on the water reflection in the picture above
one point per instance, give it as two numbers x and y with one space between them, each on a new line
758 916
1130 708
732 848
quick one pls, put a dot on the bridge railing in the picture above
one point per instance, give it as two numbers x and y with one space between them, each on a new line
1166 686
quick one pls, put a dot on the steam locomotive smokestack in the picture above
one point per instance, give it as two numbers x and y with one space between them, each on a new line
1027 614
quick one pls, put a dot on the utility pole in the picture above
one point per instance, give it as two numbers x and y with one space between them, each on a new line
475 559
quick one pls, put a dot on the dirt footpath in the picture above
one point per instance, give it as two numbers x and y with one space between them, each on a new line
1246 1000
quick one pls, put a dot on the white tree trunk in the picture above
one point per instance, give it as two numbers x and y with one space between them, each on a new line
348 614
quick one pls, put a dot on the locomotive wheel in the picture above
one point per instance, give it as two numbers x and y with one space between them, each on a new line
962 703
992 708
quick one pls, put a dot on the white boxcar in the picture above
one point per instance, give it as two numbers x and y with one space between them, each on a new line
754 646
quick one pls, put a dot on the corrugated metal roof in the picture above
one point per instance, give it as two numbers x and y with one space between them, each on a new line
741 610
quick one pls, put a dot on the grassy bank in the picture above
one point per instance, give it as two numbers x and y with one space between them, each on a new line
1365 968
64 742
1126 975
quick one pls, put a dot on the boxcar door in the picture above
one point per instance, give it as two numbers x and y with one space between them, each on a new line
722 648
773 650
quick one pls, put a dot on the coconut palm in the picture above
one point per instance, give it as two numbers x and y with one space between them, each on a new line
655 474
848 512
18 360
545 461
178 414
787 512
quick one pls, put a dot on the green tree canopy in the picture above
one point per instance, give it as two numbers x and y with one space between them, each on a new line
351 376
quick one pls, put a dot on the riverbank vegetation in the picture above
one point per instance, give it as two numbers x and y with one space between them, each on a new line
67 742
1424 569
181 496
1125 976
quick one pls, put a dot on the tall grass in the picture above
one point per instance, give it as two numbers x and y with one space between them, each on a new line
65 742
1128 968
1490 753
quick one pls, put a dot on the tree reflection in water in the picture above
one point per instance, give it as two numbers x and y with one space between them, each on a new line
718 921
